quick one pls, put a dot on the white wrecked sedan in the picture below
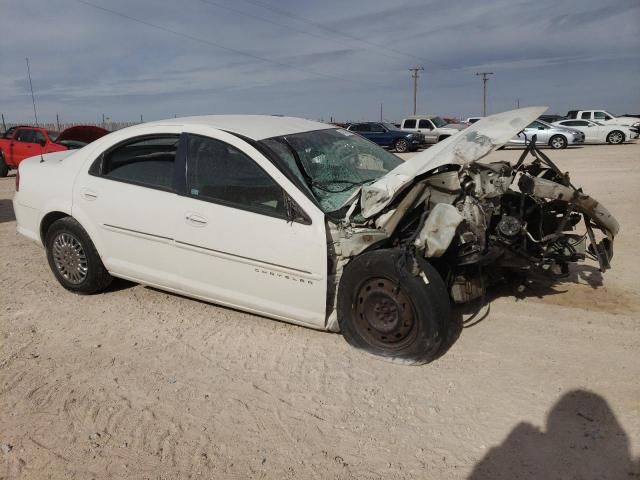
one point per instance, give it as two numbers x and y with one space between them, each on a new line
308 223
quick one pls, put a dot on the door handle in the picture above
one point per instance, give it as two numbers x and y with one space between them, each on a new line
89 195
196 220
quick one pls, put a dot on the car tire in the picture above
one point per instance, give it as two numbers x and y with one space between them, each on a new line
558 142
4 168
73 258
615 137
401 145
391 306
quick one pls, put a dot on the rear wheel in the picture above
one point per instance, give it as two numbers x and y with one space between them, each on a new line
558 142
4 168
401 145
74 259
615 137
388 310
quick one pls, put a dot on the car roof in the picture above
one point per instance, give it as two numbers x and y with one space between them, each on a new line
256 127
420 117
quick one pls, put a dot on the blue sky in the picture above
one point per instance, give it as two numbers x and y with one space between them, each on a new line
318 59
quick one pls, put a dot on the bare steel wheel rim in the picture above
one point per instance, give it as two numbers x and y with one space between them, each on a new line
69 258
557 142
615 137
402 145
384 315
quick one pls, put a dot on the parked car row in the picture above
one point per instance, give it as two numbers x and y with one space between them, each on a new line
555 131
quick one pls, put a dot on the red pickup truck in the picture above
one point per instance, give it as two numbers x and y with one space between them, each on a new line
23 142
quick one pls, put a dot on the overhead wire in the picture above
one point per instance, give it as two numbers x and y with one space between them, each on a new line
222 47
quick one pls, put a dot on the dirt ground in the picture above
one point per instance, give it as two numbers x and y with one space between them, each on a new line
137 383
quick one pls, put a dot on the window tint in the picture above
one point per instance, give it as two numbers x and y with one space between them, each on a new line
219 172
409 124
425 124
38 137
586 115
376 127
149 161
356 127
601 116
575 123
536 125
25 135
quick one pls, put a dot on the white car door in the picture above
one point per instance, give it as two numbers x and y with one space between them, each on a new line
126 201
594 133
237 242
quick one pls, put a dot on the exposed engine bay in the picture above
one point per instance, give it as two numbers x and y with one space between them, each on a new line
483 223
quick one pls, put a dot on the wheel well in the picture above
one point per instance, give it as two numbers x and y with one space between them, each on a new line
442 137
47 221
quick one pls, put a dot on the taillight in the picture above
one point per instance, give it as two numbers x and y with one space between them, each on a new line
17 180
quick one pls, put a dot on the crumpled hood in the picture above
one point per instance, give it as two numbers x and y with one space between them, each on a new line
82 133
463 148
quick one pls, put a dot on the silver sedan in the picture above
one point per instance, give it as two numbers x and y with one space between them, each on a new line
546 134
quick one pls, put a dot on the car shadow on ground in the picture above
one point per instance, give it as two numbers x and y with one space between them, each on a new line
582 439
469 314
6 211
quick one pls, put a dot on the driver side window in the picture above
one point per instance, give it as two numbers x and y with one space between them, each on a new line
219 172
425 124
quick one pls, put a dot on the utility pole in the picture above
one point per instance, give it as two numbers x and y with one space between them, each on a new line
381 112
415 76
485 77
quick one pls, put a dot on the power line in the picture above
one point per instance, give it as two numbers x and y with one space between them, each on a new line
485 78
299 18
216 45
415 76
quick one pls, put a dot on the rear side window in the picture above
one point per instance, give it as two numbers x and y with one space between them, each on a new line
425 124
409 124
586 115
219 172
148 161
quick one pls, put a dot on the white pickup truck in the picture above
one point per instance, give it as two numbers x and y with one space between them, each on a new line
603 117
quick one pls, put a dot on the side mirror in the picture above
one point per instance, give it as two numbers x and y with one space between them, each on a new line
540 128
42 142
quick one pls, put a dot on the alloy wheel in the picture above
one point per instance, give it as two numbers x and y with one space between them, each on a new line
69 258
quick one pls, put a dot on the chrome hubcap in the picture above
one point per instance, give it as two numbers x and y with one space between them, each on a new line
69 258
616 138
558 143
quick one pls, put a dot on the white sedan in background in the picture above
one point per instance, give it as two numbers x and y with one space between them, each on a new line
595 132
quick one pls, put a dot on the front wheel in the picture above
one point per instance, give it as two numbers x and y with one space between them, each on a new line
390 306
558 142
402 146
73 258
615 137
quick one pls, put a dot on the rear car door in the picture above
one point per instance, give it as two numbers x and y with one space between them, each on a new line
127 202
245 236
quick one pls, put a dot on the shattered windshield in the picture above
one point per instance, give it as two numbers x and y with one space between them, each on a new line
333 163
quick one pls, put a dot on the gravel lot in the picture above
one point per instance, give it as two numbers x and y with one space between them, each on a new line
137 383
